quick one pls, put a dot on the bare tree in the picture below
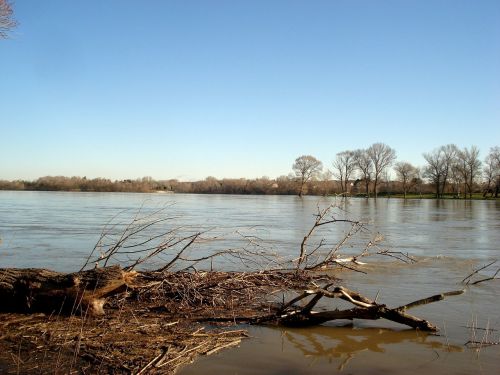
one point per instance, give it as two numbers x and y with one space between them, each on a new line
365 166
406 173
492 171
7 23
434 170
469 167
344 165
306 167
450 152
438 167
382 157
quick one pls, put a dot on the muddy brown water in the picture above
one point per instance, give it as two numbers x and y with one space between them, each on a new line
448 238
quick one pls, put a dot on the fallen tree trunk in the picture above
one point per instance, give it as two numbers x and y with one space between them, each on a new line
39 290
291 315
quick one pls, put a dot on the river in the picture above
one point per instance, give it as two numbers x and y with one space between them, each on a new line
447 238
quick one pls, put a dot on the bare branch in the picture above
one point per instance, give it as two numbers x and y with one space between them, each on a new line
7 23
468 278
425 301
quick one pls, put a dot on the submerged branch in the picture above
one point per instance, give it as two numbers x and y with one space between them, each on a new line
468 280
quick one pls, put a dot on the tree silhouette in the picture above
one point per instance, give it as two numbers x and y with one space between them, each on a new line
306 167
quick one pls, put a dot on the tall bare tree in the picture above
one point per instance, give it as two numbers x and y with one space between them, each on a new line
382 157
406 173
469 167
365 165
7 22
434 170
450 152
344 166
439 163
306 167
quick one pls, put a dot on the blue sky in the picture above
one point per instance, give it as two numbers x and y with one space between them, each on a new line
189 89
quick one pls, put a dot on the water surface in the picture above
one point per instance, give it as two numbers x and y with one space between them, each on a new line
448 238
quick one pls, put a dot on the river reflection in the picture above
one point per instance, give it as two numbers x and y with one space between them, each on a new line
349 350
344 343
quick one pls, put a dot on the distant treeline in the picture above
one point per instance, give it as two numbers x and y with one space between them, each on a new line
285 185
449 171
209 185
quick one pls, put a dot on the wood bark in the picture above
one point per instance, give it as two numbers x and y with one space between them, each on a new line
290 315
40 290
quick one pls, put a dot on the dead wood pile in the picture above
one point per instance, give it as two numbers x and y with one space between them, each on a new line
156 323
151 326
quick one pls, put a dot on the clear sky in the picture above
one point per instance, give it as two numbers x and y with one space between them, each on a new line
188 89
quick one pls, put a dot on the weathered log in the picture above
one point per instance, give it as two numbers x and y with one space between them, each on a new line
40 290
291 315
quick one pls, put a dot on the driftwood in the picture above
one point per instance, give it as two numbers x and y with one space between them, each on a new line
39 290
291 315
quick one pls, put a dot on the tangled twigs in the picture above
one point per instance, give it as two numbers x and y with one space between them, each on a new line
218 294
132 242
317 251
324 217
151 327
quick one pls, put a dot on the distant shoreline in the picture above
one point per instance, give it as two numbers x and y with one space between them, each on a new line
284 185
477 196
